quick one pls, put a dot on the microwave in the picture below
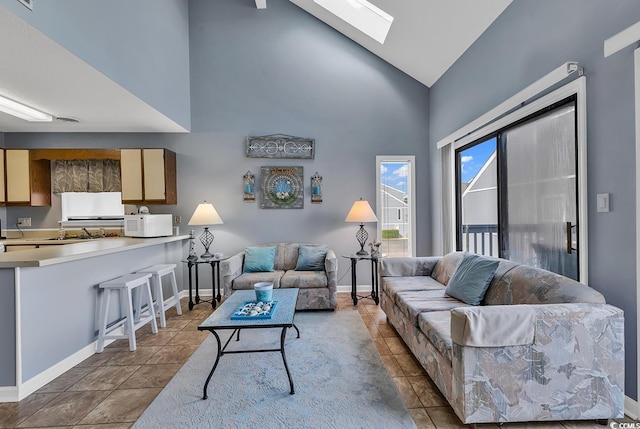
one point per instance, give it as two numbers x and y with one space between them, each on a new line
148 225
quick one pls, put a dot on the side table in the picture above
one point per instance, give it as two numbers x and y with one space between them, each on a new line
355 258
215 280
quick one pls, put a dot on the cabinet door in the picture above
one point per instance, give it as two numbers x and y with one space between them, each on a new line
2 187
18 187
131 174
154 174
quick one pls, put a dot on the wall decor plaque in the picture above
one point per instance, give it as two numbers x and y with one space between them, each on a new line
280 146
282 187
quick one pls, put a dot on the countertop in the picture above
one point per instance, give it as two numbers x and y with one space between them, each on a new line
75 250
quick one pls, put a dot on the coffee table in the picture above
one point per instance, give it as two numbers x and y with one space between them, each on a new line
221 319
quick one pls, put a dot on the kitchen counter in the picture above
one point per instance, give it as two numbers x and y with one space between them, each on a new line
60 251
49 301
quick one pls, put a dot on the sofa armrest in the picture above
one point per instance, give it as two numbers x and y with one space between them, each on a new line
400 267
229 270
493 326
573 369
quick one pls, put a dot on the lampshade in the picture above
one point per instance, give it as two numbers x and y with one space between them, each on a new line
205 214
361 212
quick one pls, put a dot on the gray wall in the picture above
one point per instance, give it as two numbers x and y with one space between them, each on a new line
142 45
527 41
279 70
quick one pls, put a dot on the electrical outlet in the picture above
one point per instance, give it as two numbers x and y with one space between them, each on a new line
176 220
24 221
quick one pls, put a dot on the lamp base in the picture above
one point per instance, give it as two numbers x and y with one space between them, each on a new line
206 238
362 236
362 252
206 255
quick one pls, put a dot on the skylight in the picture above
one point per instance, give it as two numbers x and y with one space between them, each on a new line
361 14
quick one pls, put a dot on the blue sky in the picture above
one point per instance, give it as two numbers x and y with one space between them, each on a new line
394 174
474 158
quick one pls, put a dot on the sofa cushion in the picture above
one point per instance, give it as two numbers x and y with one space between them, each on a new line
416 302
286 256
436 326
392 285
247 280
259 259
446 266
530 285
471 279
303 279
311 257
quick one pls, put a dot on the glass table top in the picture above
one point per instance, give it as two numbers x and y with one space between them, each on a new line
283 315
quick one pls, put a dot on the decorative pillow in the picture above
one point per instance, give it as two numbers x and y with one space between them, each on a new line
259 259
311 257
471 278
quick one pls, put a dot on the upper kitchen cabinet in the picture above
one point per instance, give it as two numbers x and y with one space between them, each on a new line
148 176
26 182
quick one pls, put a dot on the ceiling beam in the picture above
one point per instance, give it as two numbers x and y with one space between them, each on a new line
261 4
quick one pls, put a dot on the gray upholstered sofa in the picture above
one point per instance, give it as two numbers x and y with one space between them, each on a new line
318 289
539 347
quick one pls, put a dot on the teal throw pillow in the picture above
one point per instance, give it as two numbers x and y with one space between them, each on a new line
311 257
471 278
259 259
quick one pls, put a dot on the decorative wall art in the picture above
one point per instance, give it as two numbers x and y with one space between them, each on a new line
280 146
249 187
282 187
316 189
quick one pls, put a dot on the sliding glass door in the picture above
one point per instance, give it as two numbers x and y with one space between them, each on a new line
528 184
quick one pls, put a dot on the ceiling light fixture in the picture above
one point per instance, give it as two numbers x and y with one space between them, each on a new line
361 14
21 111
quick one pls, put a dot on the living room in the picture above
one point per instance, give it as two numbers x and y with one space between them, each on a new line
224 70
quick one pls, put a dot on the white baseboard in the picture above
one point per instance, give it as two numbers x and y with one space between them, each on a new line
631 408
17 393
9 394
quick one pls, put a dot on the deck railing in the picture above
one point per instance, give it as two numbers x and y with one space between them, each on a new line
480 239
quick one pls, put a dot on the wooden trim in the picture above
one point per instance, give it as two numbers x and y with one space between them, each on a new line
170 177
71 154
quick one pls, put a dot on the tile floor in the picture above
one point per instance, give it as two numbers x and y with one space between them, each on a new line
110 390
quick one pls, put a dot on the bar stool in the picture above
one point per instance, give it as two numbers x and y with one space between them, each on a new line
125 285
157 272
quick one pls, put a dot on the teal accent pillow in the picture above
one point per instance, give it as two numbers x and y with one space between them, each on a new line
471 278
259 259
311 257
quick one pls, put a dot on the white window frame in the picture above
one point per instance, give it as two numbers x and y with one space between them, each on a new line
411 186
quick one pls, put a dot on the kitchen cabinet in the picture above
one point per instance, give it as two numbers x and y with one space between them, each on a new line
2 181
26 182
148 176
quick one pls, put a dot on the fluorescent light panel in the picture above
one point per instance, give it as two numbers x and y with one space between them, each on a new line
23 112
361 14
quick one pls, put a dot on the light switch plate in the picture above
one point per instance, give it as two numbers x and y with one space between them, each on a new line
602 203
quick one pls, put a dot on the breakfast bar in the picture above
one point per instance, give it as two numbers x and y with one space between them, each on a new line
49 303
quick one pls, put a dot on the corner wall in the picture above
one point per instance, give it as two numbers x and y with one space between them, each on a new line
527 41
141 45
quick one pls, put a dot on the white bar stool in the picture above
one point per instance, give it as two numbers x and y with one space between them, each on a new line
157 272
124 285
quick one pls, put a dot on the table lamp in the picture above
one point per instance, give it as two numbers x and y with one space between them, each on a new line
361 212
205 214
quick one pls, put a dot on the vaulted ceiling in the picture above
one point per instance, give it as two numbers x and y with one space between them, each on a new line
425 39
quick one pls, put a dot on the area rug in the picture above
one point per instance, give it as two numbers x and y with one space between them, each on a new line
340 382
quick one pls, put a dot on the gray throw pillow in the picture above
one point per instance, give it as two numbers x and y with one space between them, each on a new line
311 257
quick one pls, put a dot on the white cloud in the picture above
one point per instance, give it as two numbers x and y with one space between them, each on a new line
383 169
402 171
466 159
400 184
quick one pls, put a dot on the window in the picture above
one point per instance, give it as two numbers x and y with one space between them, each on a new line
395 207
517 191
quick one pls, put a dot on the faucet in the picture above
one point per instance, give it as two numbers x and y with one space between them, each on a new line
87 232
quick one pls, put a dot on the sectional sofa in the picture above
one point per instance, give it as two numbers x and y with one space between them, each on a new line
539 347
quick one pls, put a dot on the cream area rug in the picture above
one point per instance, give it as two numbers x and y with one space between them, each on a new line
340 382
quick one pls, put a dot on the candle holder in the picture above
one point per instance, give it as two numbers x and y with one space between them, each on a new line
249 188
316 188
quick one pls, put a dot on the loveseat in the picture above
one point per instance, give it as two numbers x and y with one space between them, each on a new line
318 285
539 347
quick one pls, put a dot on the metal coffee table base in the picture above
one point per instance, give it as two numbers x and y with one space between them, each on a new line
223 350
